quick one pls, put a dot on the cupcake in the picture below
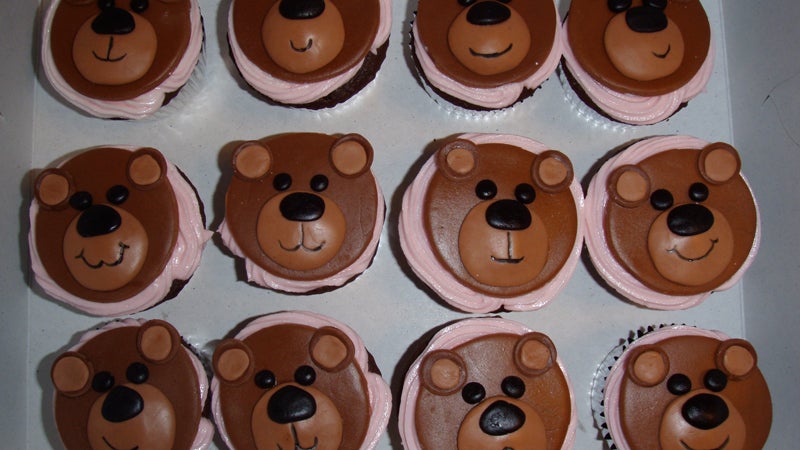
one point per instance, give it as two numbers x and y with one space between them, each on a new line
486 55
121 59
303 210
671 219
637 62
680 387
298 380
312 54
114 230
131 384
487 383
493 222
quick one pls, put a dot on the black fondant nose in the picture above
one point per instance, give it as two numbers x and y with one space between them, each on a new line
690 220
301 9
98 220
508 215
705 411
121 404
112 20
488 13
291 404
646 19
302 207
502 418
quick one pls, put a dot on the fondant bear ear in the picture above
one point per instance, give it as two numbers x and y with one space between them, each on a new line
331 349
457 159
146 168
158 341
53 188
719 163
628 186
534 354
71 374
648 365
552 171
737 358
233 361
252 160
443 372
351 155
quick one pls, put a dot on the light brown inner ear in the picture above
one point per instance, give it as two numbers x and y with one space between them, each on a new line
445 374
535 355
53 189
232 364
156 343
70 374
738 360
329 352
144 170
720 164
629 186
649 368
252 160
350 157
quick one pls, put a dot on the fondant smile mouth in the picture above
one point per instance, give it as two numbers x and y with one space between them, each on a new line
301 244
663 55
108 57
297 445
510 259
701 257
101 263
105 441
302 49
491 55
721 447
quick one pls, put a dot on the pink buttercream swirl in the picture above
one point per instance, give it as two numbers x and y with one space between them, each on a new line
635 109
185 258
451 337
605 263
419 250
490 98
142 106
380 397
301 93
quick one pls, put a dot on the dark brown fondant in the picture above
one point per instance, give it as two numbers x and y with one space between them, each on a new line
434 18
154 206
587 22
169 19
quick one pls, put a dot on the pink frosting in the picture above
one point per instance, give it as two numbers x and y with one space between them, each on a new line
448 338
611 408
605 263
635 109
380 397
258 275
205 430
137 108
301 93
419 251
491 98
192 237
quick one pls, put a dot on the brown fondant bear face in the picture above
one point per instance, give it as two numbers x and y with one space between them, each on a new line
107 222
128 387
498 391
641 47
305 40
119 49
486 43
695 392
681 221
292 386
501 219
303 205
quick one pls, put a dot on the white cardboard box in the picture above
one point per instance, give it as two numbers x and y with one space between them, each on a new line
753 101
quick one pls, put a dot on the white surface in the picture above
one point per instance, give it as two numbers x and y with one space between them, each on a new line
393 312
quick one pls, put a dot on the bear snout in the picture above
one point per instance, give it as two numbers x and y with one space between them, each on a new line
705 411
122 404
98 220
291 404
690 220
302 207
501 418
508 215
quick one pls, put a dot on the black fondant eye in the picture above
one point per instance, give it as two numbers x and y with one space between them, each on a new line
513 386
525 193
466 2
473 393
282 181
305 375
660 4
105 4
81 200
117 194
679 384
137 373
661 199
139 6
319 183
102 381
486 189
265 379
715 380
618 5
698 192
